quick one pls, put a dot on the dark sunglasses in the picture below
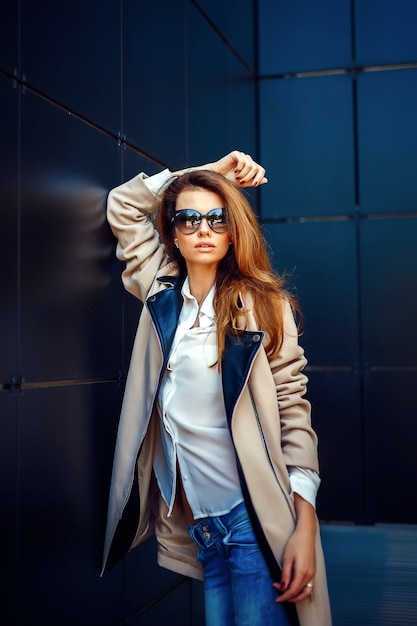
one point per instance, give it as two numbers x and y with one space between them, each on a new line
188 221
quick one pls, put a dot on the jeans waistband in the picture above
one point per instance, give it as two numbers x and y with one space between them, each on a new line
237 511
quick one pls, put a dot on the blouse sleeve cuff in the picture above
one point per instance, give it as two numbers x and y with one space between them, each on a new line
157 181
305 482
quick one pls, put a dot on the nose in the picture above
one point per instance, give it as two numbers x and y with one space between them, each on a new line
204 228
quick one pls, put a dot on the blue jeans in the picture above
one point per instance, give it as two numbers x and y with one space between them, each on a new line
237 584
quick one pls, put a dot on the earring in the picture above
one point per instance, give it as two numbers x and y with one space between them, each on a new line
176 243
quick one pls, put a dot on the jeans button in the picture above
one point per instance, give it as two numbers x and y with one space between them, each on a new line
205 532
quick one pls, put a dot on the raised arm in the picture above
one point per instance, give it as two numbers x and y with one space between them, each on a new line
128 212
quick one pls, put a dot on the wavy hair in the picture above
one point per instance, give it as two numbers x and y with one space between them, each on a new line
246 267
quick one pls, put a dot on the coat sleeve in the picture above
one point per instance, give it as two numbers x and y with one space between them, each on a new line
128 213
298 439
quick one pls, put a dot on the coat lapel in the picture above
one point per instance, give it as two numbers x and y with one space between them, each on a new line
240 350
164 308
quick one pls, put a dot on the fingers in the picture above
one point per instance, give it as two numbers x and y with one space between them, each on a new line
247 171
306 592
295 592
241 169
297 576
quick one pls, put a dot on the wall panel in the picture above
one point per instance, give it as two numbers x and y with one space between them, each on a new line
235 24
9 510
240 132
220 95
9 203
71 52
319 259
306 137
385 31
300 36
336 416
65 462
387 102
68 276
9 36
388 294
390 401
154 80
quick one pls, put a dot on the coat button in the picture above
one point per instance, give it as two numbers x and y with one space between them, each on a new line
152 299
256 338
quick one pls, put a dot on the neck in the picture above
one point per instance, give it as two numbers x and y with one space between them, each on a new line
200 284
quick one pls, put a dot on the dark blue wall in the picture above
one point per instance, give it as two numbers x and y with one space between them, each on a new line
338 135
91 93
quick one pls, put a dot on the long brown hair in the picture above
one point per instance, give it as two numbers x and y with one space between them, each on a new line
246 268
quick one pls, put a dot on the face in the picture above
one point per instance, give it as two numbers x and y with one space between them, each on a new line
205 248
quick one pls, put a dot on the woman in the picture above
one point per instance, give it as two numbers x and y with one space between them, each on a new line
215 452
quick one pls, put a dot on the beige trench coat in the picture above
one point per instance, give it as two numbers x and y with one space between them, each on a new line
271 413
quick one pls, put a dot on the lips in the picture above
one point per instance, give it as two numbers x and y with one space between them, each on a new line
204 246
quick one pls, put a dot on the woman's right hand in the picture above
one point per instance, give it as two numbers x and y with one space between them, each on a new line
240 168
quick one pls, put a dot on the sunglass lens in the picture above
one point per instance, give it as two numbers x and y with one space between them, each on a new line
216 220
188 221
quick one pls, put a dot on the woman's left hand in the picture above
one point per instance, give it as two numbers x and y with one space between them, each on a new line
299 563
